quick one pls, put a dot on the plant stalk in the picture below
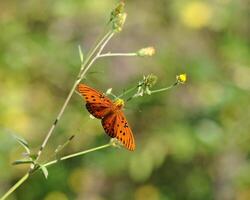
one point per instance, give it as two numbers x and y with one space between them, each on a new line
164 89
14 187
118 54
83 71
101 44
76 154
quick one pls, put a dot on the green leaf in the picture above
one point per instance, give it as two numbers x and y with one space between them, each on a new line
45 171
80 53
23 142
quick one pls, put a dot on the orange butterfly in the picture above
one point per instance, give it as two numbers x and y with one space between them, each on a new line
113 119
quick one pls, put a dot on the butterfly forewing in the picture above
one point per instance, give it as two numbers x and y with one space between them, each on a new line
93 96
98 104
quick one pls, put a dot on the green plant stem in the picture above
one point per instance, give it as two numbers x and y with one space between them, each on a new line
118 54
95 58
81 74
76 154
92 52
83 71
164 89
26 176
14 187
128 91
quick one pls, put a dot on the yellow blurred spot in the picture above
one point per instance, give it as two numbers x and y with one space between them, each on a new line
16 118
56 196
243 194
196 14
241 77
182 78
76 179
148 192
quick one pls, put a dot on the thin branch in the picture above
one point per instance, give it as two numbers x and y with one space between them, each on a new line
84 70
104 44
128 91
164 89
14 187
92 52
26 176
118 54
76 154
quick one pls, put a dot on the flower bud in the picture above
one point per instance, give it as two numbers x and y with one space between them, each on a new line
118 10
150 80
148 51
118 22
115 143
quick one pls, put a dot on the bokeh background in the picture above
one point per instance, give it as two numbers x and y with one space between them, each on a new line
193 142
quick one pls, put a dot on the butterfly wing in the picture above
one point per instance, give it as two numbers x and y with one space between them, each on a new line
108 123
97 104
124 132
116 125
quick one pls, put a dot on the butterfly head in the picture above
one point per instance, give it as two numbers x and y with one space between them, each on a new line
119 103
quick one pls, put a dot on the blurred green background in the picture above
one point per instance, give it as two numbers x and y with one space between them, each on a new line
193 142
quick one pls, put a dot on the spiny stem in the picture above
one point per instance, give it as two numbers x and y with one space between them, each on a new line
76 154
14 187
118 54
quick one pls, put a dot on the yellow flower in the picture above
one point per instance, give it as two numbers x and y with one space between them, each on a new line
196 14
182 78
148 51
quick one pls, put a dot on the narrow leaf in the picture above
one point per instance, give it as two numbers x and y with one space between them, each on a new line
23 142
80 53
45 171
109 91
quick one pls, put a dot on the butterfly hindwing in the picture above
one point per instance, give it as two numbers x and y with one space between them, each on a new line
124 132
108 123
97 103
116 125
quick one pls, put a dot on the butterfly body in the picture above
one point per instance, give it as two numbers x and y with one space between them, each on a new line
110 113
